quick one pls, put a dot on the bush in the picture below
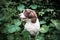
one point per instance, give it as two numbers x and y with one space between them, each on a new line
11 27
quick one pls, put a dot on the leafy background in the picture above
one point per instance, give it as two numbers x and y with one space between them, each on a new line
11 27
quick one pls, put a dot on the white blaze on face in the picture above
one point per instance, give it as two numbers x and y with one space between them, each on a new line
22 16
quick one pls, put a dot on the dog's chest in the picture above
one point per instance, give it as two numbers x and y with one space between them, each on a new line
32 27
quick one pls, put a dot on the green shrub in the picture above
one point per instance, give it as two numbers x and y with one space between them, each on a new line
11 27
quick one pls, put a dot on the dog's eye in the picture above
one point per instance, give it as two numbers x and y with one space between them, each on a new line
26 14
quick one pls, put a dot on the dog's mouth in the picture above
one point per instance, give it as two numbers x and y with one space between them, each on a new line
23 19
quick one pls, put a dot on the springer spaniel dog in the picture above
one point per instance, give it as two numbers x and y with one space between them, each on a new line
32 23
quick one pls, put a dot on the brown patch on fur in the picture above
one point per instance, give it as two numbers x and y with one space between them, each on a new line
31 14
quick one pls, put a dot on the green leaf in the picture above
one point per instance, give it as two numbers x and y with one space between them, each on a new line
17 22
40 38
26 35
41 13
55 37
42 22
51 25
21 7
11 28
17 28
1 17
10 37
56 23
49 10
46 18
44 29
33 6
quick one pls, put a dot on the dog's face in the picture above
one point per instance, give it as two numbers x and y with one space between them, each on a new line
28 14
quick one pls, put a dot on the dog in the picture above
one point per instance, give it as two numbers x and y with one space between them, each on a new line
32 24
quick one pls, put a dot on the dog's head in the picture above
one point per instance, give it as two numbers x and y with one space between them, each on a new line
28 14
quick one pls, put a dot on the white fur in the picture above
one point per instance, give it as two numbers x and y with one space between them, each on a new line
33 28
22 16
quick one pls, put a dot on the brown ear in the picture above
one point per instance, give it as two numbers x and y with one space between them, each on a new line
33 16
33 20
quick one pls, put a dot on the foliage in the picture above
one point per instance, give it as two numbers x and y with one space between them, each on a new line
11 28
44 29
21 7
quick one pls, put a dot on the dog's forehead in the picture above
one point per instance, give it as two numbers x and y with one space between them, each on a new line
27 10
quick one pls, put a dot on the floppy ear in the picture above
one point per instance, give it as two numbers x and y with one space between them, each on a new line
33 16
33 20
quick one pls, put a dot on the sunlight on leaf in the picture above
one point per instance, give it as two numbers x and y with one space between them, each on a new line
11 28
17 22
21 7
56 23
33 6
42 22
41 13
44 29
49 10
